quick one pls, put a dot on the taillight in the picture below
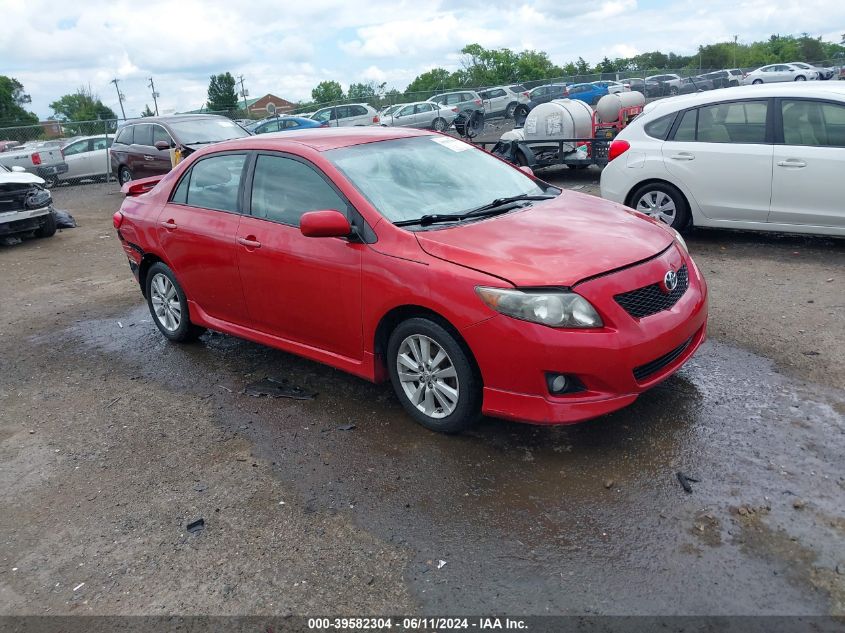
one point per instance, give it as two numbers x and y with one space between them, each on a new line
477 102
375 119
36 158
617 148
117 219
62 152
566 92
526 94
455 109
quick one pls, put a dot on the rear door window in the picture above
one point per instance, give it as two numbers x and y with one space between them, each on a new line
214 183
144 134
737 122
813 123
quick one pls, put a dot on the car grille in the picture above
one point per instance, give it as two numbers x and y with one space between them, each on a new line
649 300
642 372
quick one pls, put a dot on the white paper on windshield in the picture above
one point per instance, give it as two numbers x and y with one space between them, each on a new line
452 143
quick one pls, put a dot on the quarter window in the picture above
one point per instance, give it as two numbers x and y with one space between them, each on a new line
126 135
213 183
659 128
283 189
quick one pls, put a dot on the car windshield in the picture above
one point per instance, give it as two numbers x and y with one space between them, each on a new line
202 131
408 178
391 109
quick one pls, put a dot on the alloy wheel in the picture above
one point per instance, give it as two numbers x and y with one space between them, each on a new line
439 125
165 300
659 205
428 376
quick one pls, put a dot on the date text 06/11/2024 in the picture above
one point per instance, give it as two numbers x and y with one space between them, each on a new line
416 624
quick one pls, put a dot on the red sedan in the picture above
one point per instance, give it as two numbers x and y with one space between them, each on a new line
399 254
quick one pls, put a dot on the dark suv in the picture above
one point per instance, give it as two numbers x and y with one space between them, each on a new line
143 147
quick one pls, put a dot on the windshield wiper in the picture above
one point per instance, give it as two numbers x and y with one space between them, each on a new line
497 206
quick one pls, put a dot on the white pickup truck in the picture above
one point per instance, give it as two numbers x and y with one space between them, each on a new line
25 205
43 159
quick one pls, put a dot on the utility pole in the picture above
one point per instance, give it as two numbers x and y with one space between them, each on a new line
735 38
244 91
120 96
152 87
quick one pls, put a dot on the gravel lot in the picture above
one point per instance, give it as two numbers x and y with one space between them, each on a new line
112 441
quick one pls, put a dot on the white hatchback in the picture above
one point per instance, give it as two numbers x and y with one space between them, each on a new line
768 157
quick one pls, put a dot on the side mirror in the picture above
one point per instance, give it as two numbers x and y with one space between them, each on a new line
162 145
329 223
526 169
18 169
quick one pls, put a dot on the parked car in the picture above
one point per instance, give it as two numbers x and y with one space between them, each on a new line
763 158
724 78
87 157
670 83
777 73
462 100
821 73
6 146
25 205
284 124
38 158
589 93
562 308
694 84
544 94
142 148
612 87
503 100
647 88
422 114
350 114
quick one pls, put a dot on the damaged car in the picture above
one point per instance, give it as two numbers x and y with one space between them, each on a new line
26 207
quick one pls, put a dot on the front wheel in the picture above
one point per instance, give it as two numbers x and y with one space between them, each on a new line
439 124
433 376
169 305
510 110
663 202
756 82
800 78
673 91
48 227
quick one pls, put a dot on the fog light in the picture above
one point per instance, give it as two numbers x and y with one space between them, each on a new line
562 383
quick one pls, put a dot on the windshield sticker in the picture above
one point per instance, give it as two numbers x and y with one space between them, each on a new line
452 143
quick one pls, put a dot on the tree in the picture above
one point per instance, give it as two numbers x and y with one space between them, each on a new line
82 105
147 111
430 82
365 91
326 92
221 93
12 100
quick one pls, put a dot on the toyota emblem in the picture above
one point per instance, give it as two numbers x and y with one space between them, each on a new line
670 280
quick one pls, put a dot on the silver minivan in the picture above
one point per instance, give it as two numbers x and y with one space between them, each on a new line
347 115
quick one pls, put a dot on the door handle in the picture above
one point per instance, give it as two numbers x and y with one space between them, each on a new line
170 225
249 242
148 157
683 156
792 162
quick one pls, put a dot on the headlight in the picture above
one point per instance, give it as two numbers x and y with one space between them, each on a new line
681 241
555 308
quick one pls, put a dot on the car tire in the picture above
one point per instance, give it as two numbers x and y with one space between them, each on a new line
510 110
520 113
123 175
521 159
673 91
439 124
800 78
48 227
448 394
663 202
169 306
756 82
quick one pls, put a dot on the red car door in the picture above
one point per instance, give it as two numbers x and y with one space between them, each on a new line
197 231
299 288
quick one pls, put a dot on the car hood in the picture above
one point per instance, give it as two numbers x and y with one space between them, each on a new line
556 242
20 178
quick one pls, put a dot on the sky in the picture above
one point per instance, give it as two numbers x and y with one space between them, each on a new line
287 47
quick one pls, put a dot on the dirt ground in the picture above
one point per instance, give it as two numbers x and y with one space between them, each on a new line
112 441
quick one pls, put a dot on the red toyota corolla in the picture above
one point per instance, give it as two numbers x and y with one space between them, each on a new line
412 256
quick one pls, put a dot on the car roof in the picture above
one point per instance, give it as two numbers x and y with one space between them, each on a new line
321 139
814 89
175 118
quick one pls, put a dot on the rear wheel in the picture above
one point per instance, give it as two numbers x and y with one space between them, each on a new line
124 175
673 91
48 226
663 202
439 124
169 305
510 110
433 377
800 78
756 82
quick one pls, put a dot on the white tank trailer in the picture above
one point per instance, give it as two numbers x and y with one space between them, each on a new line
559 119
608 107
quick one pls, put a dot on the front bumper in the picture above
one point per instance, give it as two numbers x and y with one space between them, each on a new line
51 170
514 356
24 221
